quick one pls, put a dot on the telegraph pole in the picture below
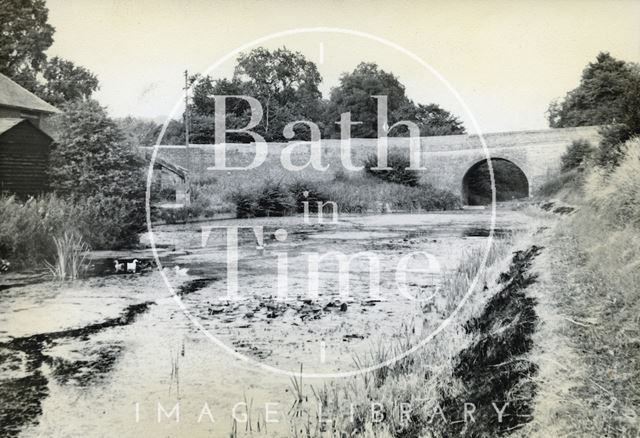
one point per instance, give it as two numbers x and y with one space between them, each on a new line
187 183
186 108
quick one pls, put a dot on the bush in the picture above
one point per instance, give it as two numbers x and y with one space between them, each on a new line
307 191
272 199
108 222
578 152
399 172
610 151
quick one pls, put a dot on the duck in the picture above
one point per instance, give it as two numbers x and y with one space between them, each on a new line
180 271
118 266
132 266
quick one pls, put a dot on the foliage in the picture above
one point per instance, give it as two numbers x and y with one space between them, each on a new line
273 198
26 35
598 98
608 95
578 152
596 269
91 157
399 172
66 82
356 195
27 227
431 119
366 194
354 94
284 82
138 131
307 191
611 149
174 134
571 180
111 222
91 162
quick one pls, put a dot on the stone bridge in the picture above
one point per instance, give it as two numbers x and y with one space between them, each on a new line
450 161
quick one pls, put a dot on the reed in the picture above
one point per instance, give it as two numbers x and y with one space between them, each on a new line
71 255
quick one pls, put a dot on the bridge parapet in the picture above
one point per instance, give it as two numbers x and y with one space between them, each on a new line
446 158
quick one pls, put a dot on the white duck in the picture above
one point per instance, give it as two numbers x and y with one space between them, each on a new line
119 266
180 271
132 266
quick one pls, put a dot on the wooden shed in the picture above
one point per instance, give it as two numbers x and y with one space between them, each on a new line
24 147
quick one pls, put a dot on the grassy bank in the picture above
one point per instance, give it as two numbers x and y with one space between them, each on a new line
589 340
474 359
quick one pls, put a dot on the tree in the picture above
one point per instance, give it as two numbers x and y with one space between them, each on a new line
355 94
598 98
608 95
611 149
137 131
66 82
431 119
24 38
91 164
284 82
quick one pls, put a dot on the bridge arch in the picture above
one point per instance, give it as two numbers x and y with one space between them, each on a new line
511 182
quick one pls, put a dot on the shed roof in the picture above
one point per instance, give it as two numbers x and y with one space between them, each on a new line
7 123
13 95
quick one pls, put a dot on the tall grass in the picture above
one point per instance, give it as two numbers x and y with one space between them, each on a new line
71 257
420 378
26 228
616 194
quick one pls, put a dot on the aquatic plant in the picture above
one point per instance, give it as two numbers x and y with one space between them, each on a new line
71 257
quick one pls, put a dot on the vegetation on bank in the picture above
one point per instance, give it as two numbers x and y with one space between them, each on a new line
358 195
474 359
98 195
398 188
589 360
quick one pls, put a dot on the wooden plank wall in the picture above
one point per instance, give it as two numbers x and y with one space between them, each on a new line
24 159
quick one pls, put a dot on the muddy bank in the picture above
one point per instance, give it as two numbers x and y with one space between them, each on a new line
24 382
494 369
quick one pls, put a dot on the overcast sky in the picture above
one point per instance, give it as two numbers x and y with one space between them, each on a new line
506 59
